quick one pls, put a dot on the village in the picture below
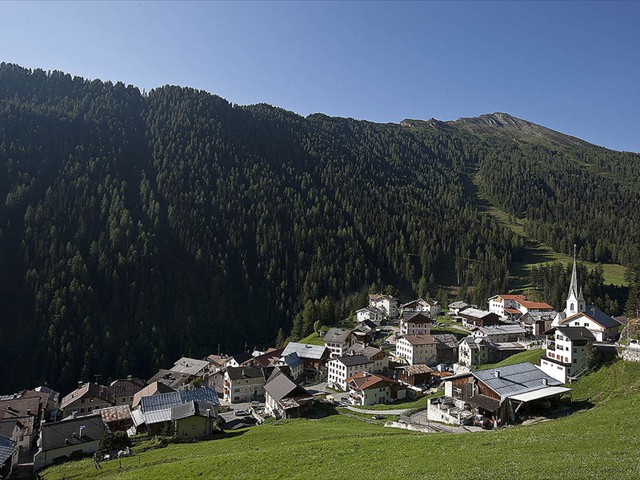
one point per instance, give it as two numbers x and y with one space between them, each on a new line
435 367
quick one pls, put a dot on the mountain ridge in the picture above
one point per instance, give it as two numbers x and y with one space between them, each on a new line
138 227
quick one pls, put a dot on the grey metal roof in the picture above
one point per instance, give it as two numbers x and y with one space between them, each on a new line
602 318
475 312
515 379
336 335
304 350
192 408
157 408
292 360
7 449
73 431
502 329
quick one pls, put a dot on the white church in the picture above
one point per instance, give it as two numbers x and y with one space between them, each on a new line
578 314
573 331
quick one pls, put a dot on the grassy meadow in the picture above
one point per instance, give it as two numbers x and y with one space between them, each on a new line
598 442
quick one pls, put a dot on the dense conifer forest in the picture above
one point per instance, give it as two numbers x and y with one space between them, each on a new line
138 227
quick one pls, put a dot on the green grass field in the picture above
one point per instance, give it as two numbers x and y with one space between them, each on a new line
537 254
458 332
532 356
599 442
312 339
421 402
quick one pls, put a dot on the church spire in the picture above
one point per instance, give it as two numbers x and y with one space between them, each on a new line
575 299
573 286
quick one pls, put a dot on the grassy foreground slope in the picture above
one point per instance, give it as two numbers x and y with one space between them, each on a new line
532 356
601 442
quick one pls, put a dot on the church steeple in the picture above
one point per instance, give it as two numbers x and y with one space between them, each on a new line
575 299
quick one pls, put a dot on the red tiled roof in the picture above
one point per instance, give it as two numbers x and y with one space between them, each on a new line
535 305
364 380
512 297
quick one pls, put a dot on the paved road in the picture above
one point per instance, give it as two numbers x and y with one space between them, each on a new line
377 412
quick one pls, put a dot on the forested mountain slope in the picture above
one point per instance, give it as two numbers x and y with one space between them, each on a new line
136 228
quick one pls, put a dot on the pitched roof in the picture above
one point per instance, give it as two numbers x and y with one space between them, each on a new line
157 408
376 310
190 366
126 387
574 333
336 335
476 312
419 339
246 372
170 378
281 386
352 360
515 379
7 427
19 407
512 311
597 316
415 369
367 351
115 414
502 330
241 357
304 350
378 296
53 395
192 408
292 360
509 297
475 342
366 380
445 340
7 449
459 304
484 402
73 431
152 389
266 358
217 360
89 389
535 305
415 317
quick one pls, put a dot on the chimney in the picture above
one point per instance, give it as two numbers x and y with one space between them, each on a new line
74 434
80 384
129 377
545 381
496 374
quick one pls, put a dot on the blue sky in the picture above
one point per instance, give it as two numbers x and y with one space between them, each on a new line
574 67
